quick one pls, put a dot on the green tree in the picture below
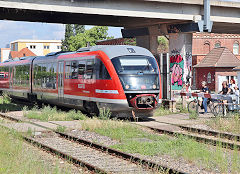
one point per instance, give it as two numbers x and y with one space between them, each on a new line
162 44
90 36
71 30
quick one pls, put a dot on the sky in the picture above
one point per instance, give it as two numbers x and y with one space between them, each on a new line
14 30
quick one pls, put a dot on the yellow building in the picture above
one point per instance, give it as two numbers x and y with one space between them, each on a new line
38 47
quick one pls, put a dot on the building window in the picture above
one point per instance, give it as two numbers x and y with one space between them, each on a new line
206 47
46 46
236 48
209 78
217 45
59 47
32 46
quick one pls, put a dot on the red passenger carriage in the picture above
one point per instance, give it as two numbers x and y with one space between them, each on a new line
124 79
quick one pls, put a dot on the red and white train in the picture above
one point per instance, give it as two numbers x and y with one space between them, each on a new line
123 78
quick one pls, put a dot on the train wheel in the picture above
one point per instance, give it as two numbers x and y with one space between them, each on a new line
91 108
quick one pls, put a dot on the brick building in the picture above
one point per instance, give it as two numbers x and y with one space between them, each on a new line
215 68
203 43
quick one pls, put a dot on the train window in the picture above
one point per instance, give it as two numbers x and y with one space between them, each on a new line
101 70
74 69
37 75
68 70
89 69
81 68
4 72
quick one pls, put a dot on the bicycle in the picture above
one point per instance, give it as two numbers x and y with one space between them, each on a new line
195 105
221 109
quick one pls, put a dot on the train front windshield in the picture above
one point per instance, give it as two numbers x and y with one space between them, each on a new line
137 72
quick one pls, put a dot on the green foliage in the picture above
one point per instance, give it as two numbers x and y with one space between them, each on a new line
48 113
130 41
193 115
81 39
161 111
61 129
6 105
163 44
104 114
71 30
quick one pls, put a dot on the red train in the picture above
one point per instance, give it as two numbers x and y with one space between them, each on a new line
123 78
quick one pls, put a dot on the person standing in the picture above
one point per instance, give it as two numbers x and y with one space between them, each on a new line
206 90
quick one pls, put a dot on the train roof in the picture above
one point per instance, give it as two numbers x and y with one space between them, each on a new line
22 60
110 50
118 50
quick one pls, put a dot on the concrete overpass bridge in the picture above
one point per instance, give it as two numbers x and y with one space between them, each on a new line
144 19
123 13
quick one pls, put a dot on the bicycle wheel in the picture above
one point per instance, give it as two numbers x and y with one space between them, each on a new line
192 106
220 110
210 108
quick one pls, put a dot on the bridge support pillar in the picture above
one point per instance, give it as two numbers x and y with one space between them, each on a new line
150 41
180 52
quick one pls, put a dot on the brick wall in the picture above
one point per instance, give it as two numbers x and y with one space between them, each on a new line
204 42
201 75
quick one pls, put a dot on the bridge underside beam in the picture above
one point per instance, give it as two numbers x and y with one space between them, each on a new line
78 18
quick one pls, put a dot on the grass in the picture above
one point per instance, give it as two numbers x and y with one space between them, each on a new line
133 139
61 129
6 105
227 124
193 115
48 113
161 111
17 158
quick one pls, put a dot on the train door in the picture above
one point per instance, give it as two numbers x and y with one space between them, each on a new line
60 81
11 79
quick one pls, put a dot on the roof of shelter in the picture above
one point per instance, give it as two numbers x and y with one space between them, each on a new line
219 57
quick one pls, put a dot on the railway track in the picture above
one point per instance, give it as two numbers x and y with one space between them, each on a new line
223 139
93 156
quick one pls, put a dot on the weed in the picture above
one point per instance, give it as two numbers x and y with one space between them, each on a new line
104 113
227 124
6 105
48 113
182 109
134 139
193 115
61 129
161 111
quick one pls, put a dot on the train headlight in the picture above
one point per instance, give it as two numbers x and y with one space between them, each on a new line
154 86
127 86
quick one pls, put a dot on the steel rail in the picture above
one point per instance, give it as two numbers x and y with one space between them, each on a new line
113 152
205 140
214 133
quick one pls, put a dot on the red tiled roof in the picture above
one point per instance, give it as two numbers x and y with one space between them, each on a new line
219 57
22 53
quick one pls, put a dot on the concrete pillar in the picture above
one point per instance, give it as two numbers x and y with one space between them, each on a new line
150 41
180 50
